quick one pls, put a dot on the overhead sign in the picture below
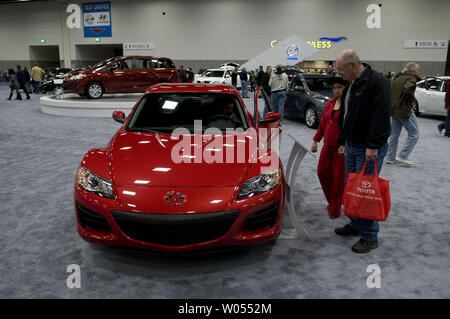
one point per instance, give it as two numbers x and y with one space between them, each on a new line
97 19
290 51
426 44
139 46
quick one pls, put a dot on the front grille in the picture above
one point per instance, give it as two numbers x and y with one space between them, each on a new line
91 219
175 230
264 218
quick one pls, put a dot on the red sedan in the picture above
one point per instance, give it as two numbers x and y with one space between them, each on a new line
124 74
189 169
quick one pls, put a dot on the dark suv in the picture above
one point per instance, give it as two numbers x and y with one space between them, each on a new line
124 74
307 96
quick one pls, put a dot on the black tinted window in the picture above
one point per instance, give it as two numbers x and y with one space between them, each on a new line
164 112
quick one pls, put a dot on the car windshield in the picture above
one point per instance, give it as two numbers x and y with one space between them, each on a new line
165 112
213 74
101 64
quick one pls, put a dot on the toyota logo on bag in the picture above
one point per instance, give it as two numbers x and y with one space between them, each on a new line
366 184
175 198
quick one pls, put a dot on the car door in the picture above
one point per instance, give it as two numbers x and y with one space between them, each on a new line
272 127
145 73
296 98
434 97
122 78
165 71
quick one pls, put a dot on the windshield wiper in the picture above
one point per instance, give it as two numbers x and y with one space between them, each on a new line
145 129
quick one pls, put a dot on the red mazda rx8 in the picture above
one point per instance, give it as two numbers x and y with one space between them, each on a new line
190 168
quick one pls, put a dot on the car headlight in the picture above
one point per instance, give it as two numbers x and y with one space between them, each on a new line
94 183
77 77
260 184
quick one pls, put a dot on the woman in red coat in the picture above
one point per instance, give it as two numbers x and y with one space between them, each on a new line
331 167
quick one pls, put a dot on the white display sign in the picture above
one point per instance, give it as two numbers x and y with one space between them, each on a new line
139 46
426 44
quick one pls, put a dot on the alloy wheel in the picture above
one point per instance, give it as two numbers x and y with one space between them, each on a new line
95 91
310 117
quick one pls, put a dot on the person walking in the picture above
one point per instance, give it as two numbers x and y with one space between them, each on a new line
244 82
27 79
259 76
278 86
14 85
402 115
331 167
252 81
21 79
36 76
364 121
446 124
234 76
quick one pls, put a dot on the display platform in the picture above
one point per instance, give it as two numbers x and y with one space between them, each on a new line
75 105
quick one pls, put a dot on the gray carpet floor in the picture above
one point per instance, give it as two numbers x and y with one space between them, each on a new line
39 156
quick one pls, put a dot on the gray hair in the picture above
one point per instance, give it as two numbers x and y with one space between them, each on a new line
410 66
350 55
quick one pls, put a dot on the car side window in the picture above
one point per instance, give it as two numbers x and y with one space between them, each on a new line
434 84
141 64
297 82
126 64
166 64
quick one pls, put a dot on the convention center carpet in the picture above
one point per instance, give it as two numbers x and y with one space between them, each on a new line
40 154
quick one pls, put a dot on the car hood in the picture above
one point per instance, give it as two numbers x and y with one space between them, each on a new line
323 94
145 159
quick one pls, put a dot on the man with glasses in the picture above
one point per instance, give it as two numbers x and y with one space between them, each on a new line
365 127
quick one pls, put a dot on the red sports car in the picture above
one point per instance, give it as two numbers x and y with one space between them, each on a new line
189 169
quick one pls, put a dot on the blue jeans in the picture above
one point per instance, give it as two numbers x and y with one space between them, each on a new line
36 86
278 98
446 125
355 157
244 88
410 124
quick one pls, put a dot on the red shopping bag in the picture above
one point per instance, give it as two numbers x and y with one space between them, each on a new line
367 196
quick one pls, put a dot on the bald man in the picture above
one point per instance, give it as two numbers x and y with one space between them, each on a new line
364 121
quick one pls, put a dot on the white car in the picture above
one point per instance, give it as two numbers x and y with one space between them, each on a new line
220 75
430 94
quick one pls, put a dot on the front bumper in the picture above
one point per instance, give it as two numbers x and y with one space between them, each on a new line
247 222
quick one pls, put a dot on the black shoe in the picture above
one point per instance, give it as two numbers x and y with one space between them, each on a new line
364 246
347 230
440 129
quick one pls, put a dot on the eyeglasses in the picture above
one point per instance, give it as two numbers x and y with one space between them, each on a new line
342 69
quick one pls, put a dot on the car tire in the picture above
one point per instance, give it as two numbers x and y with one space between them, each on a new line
311 117
416 108
94 90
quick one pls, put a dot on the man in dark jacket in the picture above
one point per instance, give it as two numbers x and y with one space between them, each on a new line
364 121
402 113
259 76
21 79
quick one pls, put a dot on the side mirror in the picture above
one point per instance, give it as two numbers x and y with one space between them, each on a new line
119 116
270 117
299 88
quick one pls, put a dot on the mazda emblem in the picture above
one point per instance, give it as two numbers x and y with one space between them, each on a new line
175 198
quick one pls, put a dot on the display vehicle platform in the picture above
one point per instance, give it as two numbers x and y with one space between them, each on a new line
75 105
